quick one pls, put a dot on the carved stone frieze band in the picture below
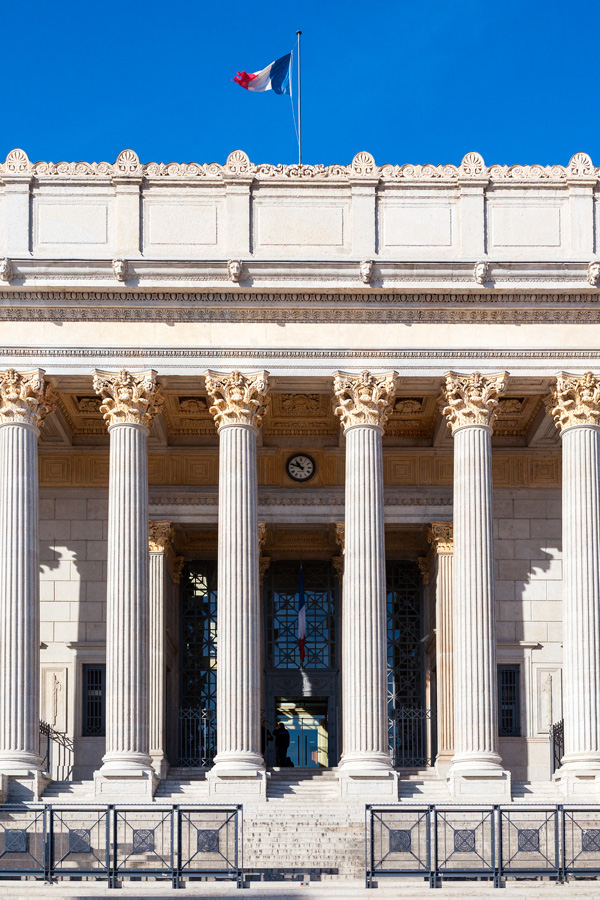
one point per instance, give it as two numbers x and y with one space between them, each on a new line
127 398
25 398
364 399
575 400
440 535
237 399
472 399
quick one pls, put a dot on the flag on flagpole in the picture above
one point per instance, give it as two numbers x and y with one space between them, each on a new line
301 618
275 77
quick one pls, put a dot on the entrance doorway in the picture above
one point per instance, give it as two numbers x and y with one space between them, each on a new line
305 719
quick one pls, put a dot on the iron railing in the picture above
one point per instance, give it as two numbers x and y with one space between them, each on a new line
434 843
557 745
111 843
411 736
57 751
197 737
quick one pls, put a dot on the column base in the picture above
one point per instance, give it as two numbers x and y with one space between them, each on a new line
231 783
579 781
23 786
479 783
112 785
160 764
443 763
368 778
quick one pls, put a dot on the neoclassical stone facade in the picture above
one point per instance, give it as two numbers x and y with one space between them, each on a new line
364 395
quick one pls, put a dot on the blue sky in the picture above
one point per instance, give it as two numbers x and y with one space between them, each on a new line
411 82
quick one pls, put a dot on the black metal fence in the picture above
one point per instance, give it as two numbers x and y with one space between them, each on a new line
557 745
197 737
412 737
435 843
113 842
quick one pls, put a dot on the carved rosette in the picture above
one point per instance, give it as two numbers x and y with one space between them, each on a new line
575 400
128 399
364 399
25 399
160 536
440 534
237 399
472 399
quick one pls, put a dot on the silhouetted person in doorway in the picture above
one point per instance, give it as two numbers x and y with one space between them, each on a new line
282 742
265 736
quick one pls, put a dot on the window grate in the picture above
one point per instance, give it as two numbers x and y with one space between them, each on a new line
94 681
509 713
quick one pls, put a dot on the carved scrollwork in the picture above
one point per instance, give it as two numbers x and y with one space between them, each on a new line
472 399
25 398
237 399
441 535
128 399
161 535
575 400
364 399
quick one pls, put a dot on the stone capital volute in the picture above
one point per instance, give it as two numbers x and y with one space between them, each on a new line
364 399
128 398
440 534
25 399
575 400
160 536
472 399
237 399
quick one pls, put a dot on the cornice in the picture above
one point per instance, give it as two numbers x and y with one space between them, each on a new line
238 167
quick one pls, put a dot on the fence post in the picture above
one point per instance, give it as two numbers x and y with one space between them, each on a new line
47 825
497 853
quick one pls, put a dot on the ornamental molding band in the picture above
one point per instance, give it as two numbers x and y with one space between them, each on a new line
237 399
440 534
25 399
238 166
161 535
364 399
575 400
472 399
127 398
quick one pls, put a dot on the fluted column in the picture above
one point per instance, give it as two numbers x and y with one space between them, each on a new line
470 407
440 536
238 406
575 406
24 403
364 404
162 561
129 404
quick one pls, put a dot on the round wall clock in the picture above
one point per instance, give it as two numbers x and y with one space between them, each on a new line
300 467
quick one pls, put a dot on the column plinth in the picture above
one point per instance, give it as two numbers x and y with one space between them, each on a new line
238 408
575 407
24 403
470 406
130 402
364 404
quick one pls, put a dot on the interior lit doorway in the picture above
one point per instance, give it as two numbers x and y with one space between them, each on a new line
305 719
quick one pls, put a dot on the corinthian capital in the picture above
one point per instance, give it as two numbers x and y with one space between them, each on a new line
128 399
24 398
160 536
575 400
440 534
237 399
364 399
472 399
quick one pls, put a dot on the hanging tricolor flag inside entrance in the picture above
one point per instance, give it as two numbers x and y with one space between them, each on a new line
275 77
301 618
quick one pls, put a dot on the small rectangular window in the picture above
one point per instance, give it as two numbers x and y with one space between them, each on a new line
509 712
94 681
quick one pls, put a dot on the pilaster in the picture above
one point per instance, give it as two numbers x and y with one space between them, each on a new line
470 405
364 403
440 535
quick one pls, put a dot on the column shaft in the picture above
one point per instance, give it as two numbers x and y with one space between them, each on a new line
445 655
19 598
159 585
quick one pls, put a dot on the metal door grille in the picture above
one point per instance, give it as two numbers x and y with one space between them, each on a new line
94 680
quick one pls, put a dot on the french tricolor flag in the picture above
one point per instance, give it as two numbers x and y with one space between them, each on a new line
275 77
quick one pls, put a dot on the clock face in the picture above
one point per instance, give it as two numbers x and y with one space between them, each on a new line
300 467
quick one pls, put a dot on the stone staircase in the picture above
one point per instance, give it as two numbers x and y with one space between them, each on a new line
183 786
69 792
422 786
303 785
538 792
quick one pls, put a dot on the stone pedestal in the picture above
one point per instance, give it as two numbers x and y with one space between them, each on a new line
239 770
476 771
24 402
365 769
440 536
575 406
129 405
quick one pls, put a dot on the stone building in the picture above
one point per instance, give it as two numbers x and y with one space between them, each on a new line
230 391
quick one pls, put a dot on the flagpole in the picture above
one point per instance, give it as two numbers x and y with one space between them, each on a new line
298 33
